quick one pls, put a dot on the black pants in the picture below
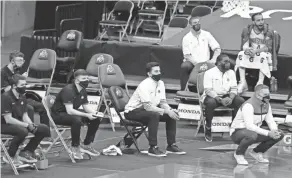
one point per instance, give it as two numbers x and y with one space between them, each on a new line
244 138
186 69
152 119
211 104
39 108
20 133
76 122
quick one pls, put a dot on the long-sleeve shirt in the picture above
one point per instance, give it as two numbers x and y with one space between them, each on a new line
245 118
149 95
217 83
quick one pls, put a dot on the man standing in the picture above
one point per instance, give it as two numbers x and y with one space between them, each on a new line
65 112
257 46
16 62
246 126
148 105
196 48
220 89
16 122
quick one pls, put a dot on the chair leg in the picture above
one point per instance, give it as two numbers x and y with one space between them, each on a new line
9 159
138 25
200 123
108 111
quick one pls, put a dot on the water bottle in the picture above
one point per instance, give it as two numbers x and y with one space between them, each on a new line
276 85
272 84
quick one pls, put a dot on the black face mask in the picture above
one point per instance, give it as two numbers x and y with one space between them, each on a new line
225 66
16 68
266 99
21 90
84 84
156 77
196 27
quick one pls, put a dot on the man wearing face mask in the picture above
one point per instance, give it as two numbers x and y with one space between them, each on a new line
220 89
148 105
65 112
196 48
246 127
16 122
7 72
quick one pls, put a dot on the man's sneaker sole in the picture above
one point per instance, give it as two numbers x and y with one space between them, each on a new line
88 152
176 153
155 155
23 159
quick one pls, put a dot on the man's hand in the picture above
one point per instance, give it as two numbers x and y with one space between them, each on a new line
32 128
172 114
274 134
91 116
226 101
25 74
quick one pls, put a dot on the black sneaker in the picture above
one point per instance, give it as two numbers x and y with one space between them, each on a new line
208 134
174 149
155 151
26 157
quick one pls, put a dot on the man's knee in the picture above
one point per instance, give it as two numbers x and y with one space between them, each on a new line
187 66
238 101
210 103
43 130
77 121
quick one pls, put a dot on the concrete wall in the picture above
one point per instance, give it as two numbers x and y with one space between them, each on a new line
17 16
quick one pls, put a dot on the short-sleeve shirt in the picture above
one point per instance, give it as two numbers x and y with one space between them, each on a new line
69 95
10 104
148 91
6 76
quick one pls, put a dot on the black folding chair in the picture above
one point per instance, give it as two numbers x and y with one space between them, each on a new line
119 100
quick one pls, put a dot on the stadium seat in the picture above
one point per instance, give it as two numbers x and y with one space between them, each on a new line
200 11
200 88
41 68
109 75
176 25
116 19
119 100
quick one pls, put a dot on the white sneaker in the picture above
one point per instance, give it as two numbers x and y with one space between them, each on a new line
76 152
242 87
259 157
240 159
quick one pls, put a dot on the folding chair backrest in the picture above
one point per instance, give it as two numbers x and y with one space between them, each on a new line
96 60
199 68
72 24
200 83
70 41
200 11
123 10
111 75
42 64
179 22
119 98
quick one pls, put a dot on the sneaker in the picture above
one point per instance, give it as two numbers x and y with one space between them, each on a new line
88 149
174 150
15 161
240 159
242 87
76 152
48 141
26 157
259 157
155 151
208 135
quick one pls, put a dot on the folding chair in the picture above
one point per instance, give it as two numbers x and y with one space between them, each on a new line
119 100
48 102
151 16
41 68
175 26
115 19
5 139
200 88
175 9
109 75
92 68
200 11
189 95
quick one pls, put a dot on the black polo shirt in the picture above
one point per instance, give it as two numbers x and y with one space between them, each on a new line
69 94
10 104
6 76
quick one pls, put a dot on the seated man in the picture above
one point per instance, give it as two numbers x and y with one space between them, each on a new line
16 122
196 48
65 112
220 89
14 66
148 105
257 41
245 128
